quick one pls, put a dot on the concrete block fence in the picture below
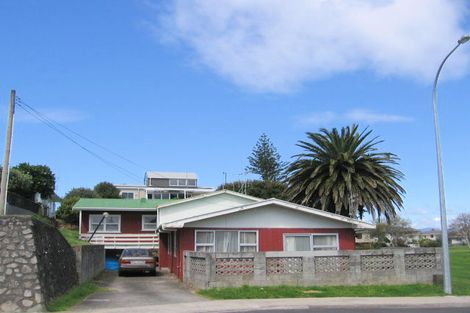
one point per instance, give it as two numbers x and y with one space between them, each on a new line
353 267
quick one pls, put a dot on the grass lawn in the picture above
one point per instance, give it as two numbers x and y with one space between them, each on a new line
71 235
460 261
72 297
460 258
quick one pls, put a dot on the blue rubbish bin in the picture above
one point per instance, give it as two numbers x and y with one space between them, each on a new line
112 264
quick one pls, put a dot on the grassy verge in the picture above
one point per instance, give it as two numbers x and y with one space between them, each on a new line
43 219
72 297
248 292
71 235
460 258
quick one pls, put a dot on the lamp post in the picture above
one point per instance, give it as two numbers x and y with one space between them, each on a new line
442 201
105 215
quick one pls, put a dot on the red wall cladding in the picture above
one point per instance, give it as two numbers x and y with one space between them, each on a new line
131 222
270 239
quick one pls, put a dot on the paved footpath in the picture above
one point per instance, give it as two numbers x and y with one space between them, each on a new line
461 304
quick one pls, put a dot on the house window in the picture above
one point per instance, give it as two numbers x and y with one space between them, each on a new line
248 241
182 182
111 224
226 241
205 241
127 195
149 222
310 242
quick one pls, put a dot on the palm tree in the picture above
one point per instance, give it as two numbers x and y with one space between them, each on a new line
342 172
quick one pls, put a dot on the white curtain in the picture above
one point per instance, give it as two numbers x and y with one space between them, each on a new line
247 237
205 237
324 240
226 241
297 243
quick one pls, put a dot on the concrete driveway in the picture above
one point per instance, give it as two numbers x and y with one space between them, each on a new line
137 290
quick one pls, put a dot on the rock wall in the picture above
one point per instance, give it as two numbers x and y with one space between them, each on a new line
36 264
56 261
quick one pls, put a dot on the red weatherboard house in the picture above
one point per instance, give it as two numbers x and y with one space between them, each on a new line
226 221
131 223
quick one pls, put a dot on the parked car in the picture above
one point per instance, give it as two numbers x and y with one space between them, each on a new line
138 260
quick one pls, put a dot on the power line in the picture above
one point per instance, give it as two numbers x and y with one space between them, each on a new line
79 135
36 114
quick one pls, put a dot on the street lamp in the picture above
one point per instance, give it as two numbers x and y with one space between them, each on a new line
105 215
442 201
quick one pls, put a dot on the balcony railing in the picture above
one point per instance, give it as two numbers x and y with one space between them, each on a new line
124 241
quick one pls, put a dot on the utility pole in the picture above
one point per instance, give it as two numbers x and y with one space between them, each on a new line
6 158
225 178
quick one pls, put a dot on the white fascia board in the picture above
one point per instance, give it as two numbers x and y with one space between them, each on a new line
175 225
359 224
355 223
208 195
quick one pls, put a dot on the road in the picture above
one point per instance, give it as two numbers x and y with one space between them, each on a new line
367 310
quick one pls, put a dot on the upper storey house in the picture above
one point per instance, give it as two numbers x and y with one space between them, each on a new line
164 186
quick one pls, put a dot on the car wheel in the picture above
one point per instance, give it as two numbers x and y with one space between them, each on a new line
153 273
120 273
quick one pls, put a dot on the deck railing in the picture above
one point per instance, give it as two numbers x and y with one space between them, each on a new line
123 241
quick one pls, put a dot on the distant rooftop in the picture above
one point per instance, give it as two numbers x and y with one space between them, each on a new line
99 203
171 175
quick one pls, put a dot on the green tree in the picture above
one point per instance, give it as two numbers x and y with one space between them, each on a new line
71 198
43 180
265 160
19 182
258 188
343 172
394 233
460 226
106 190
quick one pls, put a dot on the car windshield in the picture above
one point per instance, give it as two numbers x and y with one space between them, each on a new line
136 253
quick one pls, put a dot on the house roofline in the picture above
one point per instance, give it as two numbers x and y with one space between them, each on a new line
115 209
212 194
181 222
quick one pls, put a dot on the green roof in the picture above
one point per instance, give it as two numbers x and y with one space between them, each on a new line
86 203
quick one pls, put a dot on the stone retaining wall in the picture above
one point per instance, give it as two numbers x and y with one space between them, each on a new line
36 264
385 266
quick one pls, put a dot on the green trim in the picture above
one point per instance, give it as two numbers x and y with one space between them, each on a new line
87 203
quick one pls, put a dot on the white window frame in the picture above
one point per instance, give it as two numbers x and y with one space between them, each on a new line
127 192
175 244
170 243
311 235
173 185
90 230
213 231
143 222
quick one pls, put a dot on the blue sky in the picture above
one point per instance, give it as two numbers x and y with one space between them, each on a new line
190 86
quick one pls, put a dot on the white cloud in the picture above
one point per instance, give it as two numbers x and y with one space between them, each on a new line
56 115
276 45
354 116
